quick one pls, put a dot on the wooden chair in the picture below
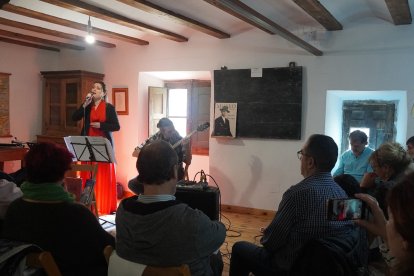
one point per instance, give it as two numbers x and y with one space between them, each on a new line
93 169
121 267
43 260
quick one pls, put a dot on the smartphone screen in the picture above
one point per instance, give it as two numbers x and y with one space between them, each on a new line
340 209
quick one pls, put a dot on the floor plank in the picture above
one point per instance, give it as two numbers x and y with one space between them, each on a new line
241 227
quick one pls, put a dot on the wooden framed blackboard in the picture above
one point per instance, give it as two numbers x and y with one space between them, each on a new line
269 106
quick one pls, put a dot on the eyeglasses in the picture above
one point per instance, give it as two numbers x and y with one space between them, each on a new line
300 154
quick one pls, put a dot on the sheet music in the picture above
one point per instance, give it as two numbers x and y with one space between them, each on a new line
101 148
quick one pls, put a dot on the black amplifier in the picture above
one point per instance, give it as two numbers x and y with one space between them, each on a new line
206 200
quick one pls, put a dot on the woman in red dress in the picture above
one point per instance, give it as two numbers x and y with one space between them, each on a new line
100 119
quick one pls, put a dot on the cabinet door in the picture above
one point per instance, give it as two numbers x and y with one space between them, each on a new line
71 88
52 115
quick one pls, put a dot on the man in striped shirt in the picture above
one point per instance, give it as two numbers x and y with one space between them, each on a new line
301 216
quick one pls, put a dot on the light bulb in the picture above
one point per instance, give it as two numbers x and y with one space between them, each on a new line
89 37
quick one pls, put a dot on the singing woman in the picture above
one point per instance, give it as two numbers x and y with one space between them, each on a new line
100 119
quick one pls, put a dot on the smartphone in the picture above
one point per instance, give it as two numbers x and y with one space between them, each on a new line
340 209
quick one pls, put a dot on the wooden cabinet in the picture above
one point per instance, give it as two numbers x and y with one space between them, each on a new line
63 93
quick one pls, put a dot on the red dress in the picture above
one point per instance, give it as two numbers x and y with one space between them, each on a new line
105 186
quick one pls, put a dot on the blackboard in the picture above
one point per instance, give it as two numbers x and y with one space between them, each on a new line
267 107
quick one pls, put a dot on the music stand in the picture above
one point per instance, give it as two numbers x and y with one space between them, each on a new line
90 149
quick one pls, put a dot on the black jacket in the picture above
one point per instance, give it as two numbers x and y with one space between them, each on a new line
111 123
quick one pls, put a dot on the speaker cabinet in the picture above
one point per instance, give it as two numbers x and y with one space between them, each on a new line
207 201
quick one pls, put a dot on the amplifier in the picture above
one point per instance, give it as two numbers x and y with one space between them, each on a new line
206 200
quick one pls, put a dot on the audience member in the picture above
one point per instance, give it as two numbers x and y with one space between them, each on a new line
47 216
355 161
398 231
301 216
410 146
390 162
8 192
155 229
348 183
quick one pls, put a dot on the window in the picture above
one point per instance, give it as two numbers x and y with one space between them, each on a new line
177 109
375 118
187 104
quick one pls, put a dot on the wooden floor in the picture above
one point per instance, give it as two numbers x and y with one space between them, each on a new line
241 227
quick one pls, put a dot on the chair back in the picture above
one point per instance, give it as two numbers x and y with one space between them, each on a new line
43 260
329 256
19 258
74 186
118 266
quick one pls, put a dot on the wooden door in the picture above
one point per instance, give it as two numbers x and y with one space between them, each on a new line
157 107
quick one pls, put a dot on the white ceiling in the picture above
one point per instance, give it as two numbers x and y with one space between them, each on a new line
285 13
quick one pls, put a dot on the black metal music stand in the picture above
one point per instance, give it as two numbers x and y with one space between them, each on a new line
89 149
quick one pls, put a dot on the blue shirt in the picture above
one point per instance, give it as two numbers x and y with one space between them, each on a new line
355 166
301 217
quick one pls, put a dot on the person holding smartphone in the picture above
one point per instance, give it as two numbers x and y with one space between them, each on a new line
398 231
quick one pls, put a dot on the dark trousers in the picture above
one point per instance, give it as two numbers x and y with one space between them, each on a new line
216 263
247 257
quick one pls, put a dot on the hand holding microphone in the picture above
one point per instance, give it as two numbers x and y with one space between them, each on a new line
88 99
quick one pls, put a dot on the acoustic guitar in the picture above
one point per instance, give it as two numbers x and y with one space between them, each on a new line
201 127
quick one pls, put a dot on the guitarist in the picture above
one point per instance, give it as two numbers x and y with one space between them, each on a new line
168 133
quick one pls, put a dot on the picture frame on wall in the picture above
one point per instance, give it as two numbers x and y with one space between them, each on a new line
225 115
120 100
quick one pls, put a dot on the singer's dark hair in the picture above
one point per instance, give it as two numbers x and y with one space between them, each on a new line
323 150
156 163
47 163
103 87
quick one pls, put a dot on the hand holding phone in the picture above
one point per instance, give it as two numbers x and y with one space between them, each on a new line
340 209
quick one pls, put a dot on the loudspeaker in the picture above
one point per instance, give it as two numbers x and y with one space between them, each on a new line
206 200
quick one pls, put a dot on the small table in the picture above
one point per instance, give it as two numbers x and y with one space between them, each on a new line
10 154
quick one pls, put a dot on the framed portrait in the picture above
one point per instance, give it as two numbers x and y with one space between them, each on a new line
120 100
225 115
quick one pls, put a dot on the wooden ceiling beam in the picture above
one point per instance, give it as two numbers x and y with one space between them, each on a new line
28 27
400 11
28 44
175 17
106 15
70 24
249 15
315 9
40 40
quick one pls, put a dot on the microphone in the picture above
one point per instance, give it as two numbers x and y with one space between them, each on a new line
89 95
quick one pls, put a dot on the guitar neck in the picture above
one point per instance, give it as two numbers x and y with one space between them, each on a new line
186 137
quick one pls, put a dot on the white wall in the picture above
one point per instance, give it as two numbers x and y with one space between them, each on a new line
255 172
24 64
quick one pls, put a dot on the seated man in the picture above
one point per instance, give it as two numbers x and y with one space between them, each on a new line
355 161
155 229
301 217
